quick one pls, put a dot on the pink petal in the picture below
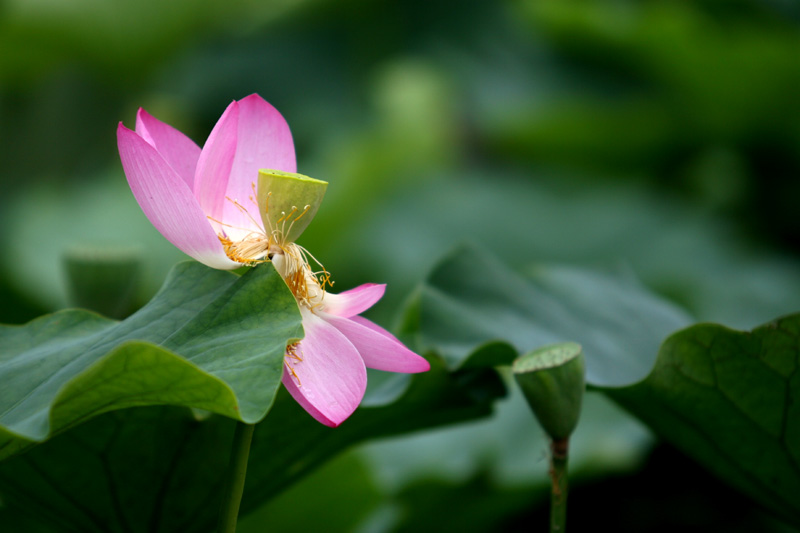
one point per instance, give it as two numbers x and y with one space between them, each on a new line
379 348
331 379
214 167
355 301
263 141
176 148
168 202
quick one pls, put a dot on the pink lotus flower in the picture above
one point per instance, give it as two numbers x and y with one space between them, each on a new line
203 200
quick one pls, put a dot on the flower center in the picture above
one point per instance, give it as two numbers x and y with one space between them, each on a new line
257 245
291 260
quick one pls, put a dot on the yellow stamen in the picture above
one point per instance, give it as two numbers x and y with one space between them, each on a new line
248 251
298 217
306 209
293 357
244 210
306 285
292 349
294 374
262 244
253 248
285 216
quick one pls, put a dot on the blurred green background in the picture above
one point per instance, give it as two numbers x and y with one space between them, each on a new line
653 137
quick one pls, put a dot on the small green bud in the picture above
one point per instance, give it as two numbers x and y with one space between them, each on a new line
288 202
552 380
103 279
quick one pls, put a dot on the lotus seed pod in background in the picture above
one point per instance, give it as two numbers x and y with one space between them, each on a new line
552 380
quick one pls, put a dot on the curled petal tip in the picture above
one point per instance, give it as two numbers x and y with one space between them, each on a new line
378 348
355 301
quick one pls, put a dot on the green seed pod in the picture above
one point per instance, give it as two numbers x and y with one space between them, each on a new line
288 202
552 380
103 279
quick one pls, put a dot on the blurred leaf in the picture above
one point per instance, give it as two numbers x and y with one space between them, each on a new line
643 133
511 448
481 505
336 497
731 400
668 49
121 39
542 217
49 221
471 299
16 307
655 87
209 339
101 475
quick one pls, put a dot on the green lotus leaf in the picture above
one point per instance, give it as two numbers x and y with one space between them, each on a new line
209 339
731 400
471 299
162 469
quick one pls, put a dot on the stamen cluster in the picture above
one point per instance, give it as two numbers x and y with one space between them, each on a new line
270 245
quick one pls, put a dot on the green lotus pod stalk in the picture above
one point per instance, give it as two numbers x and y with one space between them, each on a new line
552 380
288 202
103 279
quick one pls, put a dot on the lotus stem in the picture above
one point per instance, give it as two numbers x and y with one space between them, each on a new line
237 471
558 477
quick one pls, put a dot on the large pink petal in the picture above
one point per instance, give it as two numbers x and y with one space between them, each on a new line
263 141
378 348
355 301
168 202
330 380
176 148
214 169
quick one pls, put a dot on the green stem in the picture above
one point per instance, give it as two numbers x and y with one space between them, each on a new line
558 477
234 484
